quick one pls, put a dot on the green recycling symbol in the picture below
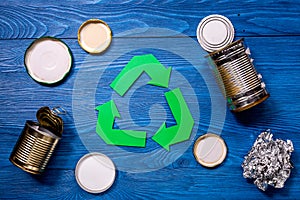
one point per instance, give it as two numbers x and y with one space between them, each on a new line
160 76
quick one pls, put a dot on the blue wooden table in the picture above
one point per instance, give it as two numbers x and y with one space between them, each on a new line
270 28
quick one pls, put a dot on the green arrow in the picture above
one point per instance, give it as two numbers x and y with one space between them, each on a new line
185 122
106 117
136 66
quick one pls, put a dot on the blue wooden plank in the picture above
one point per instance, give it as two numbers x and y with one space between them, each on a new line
168 183
21 19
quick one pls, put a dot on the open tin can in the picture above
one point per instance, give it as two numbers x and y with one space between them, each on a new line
37 142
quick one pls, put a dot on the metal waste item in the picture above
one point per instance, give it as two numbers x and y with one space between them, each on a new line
232 65
240 83
269 161
37 141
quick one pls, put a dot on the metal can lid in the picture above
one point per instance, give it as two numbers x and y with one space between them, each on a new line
94 36
48 60
210 150
50 121
215 32
95 172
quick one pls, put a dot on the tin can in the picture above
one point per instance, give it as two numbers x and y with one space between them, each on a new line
37 142
236 75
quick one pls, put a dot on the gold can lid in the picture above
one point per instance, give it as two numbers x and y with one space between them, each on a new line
210 150
94 36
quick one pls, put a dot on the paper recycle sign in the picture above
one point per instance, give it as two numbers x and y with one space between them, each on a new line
165 136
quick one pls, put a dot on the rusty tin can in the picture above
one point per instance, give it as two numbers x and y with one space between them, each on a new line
237 77
232 65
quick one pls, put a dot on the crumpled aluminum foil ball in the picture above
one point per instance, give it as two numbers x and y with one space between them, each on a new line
268 162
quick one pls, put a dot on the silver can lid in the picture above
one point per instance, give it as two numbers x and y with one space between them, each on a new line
95 172
214 32
48 60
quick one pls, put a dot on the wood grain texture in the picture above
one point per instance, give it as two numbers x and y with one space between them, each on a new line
21 97
272 32
37 18
167 183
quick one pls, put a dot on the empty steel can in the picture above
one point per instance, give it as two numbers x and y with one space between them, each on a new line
37 142
241 84
236 75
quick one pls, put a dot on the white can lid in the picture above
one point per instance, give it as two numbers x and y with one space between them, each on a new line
48 60
95 172
94 36
215 32
210 150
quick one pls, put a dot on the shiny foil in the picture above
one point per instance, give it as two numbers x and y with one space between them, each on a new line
268 161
